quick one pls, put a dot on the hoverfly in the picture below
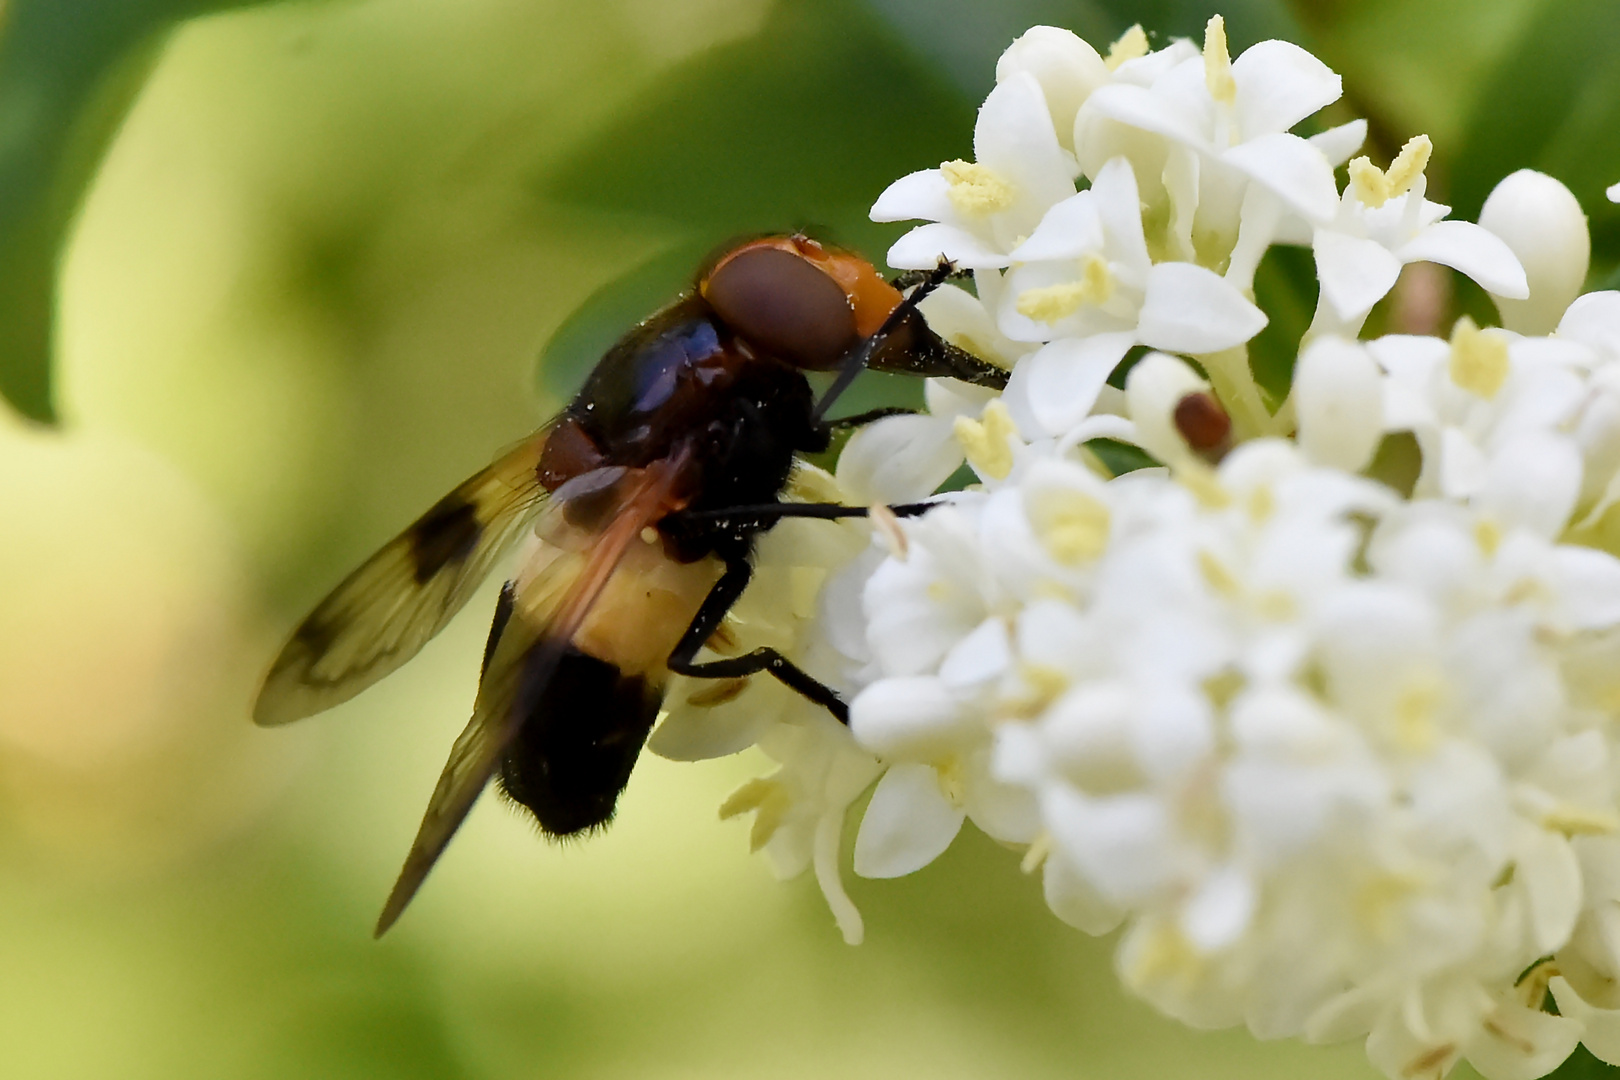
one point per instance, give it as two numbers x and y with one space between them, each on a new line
641 502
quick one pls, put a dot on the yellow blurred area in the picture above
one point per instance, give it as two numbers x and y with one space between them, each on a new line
303 300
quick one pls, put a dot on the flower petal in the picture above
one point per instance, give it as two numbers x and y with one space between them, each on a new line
907 825
1193 310
1296 171
1014 137
1067 231
1338 143
1338 392
1355 273
1063 378
1278 85
907 718
1474 251
924 246
923 195
898 459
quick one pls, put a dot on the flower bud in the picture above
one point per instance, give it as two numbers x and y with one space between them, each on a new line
1540 220
1338 392
1067 68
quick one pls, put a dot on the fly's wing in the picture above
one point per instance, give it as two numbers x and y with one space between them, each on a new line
523 659
384 612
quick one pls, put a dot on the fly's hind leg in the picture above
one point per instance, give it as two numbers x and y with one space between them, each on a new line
724 594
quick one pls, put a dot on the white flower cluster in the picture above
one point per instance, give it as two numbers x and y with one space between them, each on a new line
1325 711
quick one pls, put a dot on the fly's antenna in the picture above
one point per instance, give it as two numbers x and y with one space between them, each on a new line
858 357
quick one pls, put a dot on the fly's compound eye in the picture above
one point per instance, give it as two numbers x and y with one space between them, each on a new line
784 305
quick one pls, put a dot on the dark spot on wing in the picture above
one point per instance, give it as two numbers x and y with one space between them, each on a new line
447 533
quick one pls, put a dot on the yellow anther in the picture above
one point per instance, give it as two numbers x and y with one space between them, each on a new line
1216 575
768 799
1035 855
1374 186
1488 535
1204 483
1579 821
1049 303
984 441
952 779
1218 62
1165 954
975 189
1404 171
748 797
1379 900
1262 504
1223 687
887 527
1042 685
1368 182
1416 707
1131 45
1072 525
1479 359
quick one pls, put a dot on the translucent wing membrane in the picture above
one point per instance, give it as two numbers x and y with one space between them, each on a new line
384 612
547 609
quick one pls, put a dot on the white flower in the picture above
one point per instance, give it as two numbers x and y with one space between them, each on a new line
1088 287
1540 220
983 209
1384 222
1231 120
1489 414
1339 756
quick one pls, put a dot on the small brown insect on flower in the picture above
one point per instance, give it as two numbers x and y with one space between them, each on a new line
1204 424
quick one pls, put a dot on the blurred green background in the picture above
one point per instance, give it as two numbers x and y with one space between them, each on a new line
274 278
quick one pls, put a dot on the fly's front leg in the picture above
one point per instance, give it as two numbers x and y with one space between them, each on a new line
724 594
758 518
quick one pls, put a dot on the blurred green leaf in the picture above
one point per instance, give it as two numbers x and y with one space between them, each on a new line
1581 1065
69 71
1285 288
801 126
1553 104
963 38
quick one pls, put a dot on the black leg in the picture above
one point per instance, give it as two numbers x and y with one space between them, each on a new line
911 278
862 419
748 519
859 356
715 605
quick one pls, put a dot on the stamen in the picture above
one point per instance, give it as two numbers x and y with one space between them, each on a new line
1218 62
1071 525
1049 303
1035 855
1368 182
1479 359
1416 707
975 189
1578 821
984 441
1488 535
1408 165
1132 44
887 526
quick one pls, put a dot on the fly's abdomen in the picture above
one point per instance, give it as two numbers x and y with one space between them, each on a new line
574 751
